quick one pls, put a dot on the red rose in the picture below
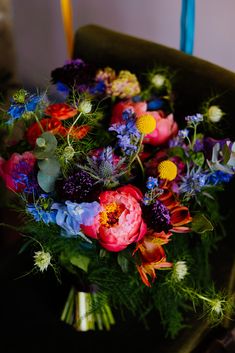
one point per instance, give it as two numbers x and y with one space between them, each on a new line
52 125
61 111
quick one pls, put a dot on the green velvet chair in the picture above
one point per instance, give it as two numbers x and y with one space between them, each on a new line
195 80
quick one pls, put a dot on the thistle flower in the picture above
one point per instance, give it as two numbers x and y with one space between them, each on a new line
42 260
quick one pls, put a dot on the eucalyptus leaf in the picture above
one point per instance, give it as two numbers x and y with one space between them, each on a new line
201 224
46 182
47 148
49 166
80 261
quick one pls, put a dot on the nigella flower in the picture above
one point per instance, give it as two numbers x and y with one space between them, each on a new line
39 214
22 103
192 182
71 215
42 260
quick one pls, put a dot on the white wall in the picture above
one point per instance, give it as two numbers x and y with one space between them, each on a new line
40 42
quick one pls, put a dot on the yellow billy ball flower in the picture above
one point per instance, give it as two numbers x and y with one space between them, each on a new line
167 170
146 124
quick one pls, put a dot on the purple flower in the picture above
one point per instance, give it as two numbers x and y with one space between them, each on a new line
194 119
151 183
41 215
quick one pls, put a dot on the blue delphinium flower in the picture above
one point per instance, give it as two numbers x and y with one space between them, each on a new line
39 214
127 134
71 215
219 177
22 102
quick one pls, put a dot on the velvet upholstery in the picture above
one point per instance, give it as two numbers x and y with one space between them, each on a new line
35 302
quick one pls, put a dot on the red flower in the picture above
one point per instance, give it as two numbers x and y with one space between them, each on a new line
52 125
61 111
16 170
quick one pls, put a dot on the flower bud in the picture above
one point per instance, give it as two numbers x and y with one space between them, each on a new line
158 80
42 260
214 114
85 107
180 270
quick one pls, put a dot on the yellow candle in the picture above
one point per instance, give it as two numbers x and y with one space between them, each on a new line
67 16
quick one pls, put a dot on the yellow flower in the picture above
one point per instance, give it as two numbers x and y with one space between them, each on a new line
167 170
146 124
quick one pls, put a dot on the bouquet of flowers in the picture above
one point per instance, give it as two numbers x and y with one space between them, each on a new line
111 188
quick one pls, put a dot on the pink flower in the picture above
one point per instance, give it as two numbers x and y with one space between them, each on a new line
120 221
166 127
16 170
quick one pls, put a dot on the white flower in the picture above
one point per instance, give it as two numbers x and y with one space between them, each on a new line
158 80
85 107
42 260
180 270
215 113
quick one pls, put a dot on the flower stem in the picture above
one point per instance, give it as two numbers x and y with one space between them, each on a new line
70 129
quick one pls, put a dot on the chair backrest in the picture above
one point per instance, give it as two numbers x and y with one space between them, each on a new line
195 81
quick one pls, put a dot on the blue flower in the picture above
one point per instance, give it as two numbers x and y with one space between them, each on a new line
41 215
155 104
71 215
219 177
22 102
193 182
194 119
151 183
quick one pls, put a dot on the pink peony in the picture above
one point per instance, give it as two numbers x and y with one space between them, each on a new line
166 127
120 221
16 170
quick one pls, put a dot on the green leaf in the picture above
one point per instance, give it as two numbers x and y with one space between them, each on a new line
177 151
49 147
201 224
122 262
80 261
226 153
46 182
49 166
198 158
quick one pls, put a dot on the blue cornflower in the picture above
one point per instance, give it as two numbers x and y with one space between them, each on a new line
219 177
71 215
151 183
194 119
41 215
22 102
61 87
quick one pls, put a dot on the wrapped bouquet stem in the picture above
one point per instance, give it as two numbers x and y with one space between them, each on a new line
114 190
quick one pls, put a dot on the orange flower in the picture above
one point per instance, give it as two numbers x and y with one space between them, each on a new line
61 111
77 132
179 214
152 255
52 125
